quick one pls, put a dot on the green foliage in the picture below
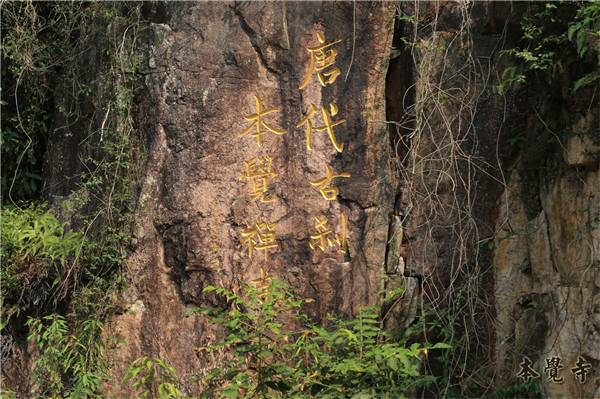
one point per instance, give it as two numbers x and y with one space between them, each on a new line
46 83
38 39
449 325
275 351
153 375
491 244
7 393
544 34
35 248
35 232
104 199
518 140
529 389
417 23
79 356
549 31
585 32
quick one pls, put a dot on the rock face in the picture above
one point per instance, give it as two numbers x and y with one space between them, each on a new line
489 224
547 279
236 96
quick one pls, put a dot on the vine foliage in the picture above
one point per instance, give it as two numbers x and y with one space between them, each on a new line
69 78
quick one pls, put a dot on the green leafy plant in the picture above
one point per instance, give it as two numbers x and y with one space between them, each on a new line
7 393
548 30
529 389
38 39
36 249
585 32
273 350
63 354
518 140
544 33
34 232
153 375
47 87
491 244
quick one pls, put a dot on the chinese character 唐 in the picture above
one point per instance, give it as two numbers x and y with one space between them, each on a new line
320 59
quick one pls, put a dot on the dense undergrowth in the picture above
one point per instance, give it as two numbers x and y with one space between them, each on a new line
62 262
273 350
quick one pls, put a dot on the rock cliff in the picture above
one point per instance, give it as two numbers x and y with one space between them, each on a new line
235 96
335 143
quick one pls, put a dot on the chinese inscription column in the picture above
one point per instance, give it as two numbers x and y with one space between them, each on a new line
322 60
259 235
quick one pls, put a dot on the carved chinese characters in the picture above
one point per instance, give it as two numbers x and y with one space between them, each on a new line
328 193
322 236
321 59
258 172
329 124
259 123
259 235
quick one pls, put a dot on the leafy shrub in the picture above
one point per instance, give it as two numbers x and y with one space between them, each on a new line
35 251
79 356
549 32
153 373
585 32
34 232
267 359
530 389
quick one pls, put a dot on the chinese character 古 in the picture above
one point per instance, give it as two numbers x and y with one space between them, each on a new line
332 192
581 370
526 371
261 236
553 365
320 59
329 124
259 123
321 237
259 170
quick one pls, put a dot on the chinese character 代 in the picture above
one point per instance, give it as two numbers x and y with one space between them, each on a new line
259 123
553 365
329 124
259 170
526 371
320 59
261 236
332 192
581 370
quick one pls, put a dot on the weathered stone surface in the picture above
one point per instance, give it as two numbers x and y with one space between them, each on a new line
206 63
513 275
558 289
537 214
583 146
